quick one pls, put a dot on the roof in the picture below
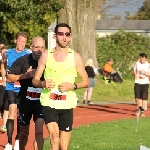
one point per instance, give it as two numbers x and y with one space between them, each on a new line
123 24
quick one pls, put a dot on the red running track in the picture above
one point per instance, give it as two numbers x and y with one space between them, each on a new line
84 115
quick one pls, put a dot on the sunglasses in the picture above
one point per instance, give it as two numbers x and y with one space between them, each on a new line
62 34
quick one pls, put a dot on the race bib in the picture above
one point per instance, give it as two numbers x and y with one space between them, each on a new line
17 84
33 93
1 81
57 95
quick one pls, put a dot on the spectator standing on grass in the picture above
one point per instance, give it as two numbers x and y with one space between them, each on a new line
89 67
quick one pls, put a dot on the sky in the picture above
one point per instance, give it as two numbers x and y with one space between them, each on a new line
131 6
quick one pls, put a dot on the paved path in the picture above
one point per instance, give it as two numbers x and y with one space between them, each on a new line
84 115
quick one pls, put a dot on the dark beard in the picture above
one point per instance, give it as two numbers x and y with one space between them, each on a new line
62 46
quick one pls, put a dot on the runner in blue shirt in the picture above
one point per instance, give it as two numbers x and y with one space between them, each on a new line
12 89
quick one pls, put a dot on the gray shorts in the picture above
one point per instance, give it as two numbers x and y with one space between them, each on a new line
92 82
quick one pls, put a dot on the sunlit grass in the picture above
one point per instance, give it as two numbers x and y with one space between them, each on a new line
113 135
110 92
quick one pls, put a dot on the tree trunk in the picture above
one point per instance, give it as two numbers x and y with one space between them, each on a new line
82 15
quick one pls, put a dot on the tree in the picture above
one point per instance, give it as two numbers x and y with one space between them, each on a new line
81 15
142 14
32 16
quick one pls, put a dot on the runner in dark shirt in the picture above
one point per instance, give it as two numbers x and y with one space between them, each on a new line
23 70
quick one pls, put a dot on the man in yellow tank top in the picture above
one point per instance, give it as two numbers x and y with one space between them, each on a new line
60 66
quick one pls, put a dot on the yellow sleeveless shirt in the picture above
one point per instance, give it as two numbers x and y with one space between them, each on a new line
59 72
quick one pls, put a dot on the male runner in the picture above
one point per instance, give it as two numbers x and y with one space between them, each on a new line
58 98
12 89
23 70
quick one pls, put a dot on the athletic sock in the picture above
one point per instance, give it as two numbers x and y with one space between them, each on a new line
18 128
10 129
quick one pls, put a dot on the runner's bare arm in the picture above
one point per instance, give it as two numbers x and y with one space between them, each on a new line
41 66
81 71
3 66
134 72
16 77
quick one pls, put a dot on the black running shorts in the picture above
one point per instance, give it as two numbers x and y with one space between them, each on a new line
64 117
26 113
11 96
141 91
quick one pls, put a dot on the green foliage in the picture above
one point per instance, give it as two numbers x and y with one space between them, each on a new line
142 14
31 16
124 48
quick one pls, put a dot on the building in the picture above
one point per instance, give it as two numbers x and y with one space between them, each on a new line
108 27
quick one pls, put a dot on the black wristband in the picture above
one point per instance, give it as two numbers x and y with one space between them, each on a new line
75 86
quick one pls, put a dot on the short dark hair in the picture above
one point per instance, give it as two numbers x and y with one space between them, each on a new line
62 25
2 42
24 34
143 55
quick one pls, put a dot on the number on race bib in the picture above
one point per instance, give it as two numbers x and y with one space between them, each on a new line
56 95
17 84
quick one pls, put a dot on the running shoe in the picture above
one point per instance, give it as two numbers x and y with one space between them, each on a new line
138 112
8 147
16 146
142 113
3 128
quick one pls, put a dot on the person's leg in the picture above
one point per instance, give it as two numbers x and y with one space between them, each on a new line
64 140
11 96
39 122
85 95
138 97
25 116
51 117
90 89
23 136
65 127
145 88
5 114
53 131
2 92
10 121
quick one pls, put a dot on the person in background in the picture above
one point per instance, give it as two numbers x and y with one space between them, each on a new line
141 86
2 85
12 89
23 70
91 74
109 73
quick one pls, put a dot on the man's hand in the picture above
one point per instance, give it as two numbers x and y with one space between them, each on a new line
29 74
4 83
48 83
142 72
65 87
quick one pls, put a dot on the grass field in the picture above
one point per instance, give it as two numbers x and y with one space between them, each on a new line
114 135
110 92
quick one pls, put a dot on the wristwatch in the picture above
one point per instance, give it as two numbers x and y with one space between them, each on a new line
75 86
